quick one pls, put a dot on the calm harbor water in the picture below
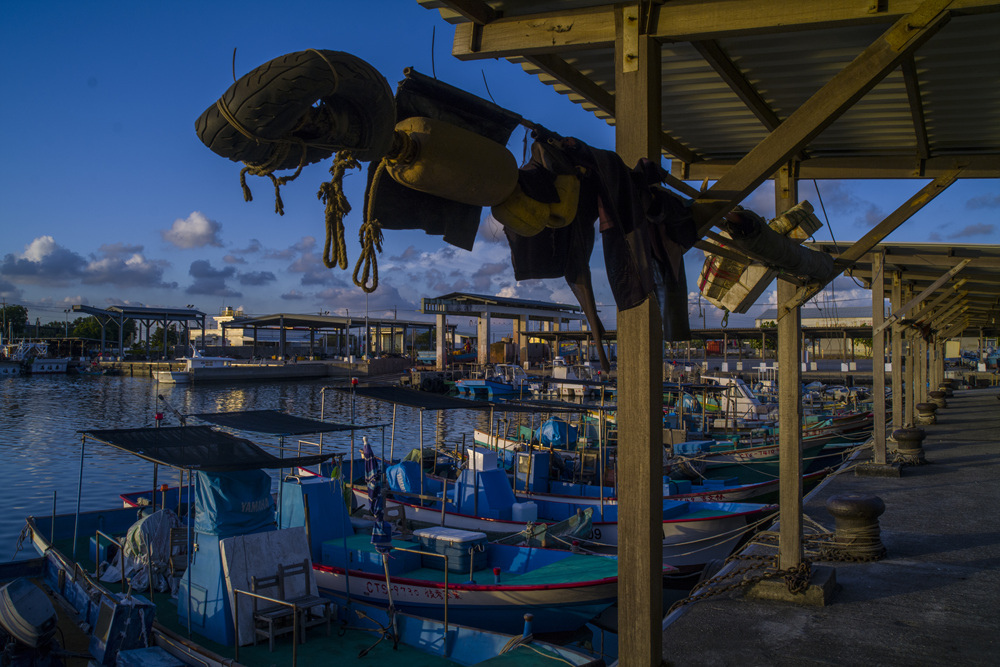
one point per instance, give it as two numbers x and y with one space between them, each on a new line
40 446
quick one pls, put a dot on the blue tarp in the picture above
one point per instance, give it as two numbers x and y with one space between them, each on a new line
233 503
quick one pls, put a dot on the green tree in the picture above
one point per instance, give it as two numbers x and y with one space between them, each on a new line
755 342
90 327
156 339
14 319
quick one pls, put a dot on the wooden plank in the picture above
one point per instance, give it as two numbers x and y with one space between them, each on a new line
640 386
816 114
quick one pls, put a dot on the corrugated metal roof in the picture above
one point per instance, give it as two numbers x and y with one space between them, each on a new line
957 73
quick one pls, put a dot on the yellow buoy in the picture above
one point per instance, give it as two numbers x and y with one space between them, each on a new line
521 214
563 212
448 161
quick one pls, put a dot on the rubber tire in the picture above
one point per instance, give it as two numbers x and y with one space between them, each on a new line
270 101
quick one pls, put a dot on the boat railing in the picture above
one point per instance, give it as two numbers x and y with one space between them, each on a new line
98 534
284 603
446 596
424 497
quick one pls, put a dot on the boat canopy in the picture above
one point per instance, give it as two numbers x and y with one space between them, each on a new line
198 448
429 401
275 422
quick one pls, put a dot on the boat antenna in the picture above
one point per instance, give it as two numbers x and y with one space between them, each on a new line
182 418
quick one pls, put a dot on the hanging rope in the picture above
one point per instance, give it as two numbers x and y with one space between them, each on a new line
403 149
337 206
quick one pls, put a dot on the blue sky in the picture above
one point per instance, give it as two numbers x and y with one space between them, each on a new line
109 197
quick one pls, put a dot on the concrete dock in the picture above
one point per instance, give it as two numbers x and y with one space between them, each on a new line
933 600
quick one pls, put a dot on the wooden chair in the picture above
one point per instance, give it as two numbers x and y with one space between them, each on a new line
312 609
269 619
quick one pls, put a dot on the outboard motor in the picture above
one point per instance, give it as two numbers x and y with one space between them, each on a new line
27 625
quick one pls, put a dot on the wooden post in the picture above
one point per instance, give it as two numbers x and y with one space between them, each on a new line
789 399
878 356
910 378
897 354
640 373
440 354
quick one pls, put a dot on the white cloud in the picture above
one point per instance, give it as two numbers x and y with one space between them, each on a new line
195 231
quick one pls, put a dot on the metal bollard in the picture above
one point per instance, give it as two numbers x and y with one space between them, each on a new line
857 535
925 413
909 445
937 398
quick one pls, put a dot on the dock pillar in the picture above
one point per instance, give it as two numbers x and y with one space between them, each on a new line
640 372
439 351
879 465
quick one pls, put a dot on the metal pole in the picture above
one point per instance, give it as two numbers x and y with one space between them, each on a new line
421 427
52 533
79 495
392 434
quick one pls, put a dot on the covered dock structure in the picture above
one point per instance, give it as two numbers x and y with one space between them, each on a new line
483 309
353 336
733 93
146 317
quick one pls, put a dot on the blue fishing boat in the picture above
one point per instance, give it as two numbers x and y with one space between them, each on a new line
235 576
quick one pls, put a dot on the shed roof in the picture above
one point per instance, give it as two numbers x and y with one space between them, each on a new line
733 70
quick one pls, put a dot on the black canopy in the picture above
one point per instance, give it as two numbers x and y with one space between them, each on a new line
274 422
197 448
430 401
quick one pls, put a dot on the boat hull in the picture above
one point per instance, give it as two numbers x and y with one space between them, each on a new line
555 608
688 543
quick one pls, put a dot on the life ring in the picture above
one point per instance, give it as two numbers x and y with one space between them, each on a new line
314 101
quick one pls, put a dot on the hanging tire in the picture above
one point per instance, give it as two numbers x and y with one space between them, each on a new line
328 99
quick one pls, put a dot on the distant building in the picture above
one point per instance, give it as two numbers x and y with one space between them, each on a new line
828 316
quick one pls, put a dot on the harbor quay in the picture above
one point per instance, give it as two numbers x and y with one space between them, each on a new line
931 600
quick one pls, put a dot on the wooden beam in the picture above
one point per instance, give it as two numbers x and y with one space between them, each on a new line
675 21
573 79
878 233
909 305
909 69
600 98
476 11
640 372
819 111
731 74
868 167
944 300
553 32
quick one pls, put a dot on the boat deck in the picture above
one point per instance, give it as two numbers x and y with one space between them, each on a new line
572 568
931 601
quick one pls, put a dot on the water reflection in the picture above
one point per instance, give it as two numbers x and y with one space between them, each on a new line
41 416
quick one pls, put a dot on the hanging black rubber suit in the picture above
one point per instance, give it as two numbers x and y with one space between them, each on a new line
645 231
562 252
